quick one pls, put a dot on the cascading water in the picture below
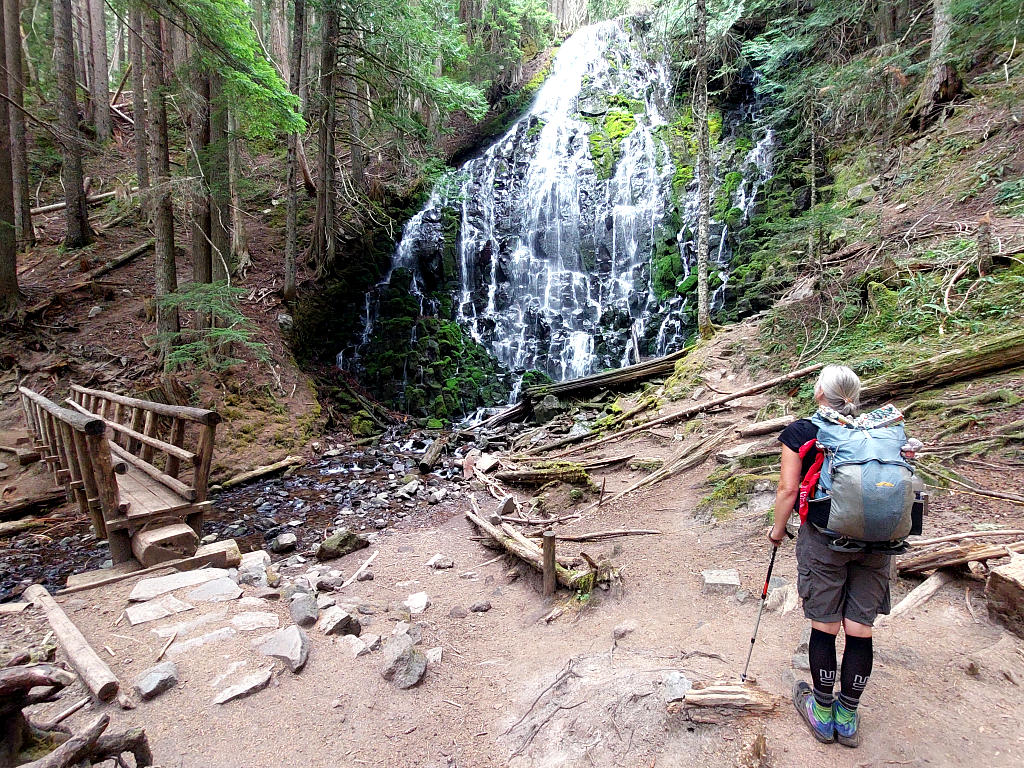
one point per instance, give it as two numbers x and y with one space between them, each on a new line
567 246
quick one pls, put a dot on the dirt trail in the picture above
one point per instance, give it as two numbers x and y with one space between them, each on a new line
512 689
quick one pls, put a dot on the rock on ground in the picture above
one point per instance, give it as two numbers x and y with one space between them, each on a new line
290 645
250 620
286 542
341 543
156 680
404 665
720 582
304 610
216 591
337 621
481 606
417 602
251 683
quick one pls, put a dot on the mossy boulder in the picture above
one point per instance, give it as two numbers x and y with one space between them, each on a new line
341 543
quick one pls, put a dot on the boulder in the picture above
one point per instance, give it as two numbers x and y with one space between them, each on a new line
340 544
404 665
290 645
549 407
285 542
253 568
337 621
417 602
304 610
156 680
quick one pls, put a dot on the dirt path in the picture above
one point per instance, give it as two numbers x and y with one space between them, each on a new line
945 690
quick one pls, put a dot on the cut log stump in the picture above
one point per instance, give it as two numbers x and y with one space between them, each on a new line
1005 595
169 542
720 701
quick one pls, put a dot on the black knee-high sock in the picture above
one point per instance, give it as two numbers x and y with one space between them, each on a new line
857 662
821 652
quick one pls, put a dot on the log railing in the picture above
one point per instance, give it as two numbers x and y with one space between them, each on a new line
77 454
151 437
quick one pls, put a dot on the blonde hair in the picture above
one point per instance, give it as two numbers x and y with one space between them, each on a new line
839 386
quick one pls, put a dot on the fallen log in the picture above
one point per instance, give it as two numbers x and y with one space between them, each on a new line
530 553
945 557
14 527
999 354
599 535
33 504
721 701
25 455
220 554
966 535
573 474
918 595
1004 593
766 427
617 378
88 277
693 410
432 455
90 667
52 207
256 474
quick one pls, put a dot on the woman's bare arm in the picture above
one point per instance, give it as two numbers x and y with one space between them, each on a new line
785 496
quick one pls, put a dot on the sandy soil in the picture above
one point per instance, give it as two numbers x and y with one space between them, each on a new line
945 688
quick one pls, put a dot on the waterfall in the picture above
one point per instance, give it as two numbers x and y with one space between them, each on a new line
543 247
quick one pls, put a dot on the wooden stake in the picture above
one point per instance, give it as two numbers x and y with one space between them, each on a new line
550 580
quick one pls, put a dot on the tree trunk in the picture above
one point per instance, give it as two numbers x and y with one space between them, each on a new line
19 157
941 83
292 200
240 258
350 93
167 325
199 148
703 173
279 37
324 236
8 241
76 216
139 107
100 82
220 186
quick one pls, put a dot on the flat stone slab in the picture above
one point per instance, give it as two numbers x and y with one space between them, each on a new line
720 582
158 608
156 680
417 602
216 591
183 628
250 620
290 645
185 646
248 685
147 589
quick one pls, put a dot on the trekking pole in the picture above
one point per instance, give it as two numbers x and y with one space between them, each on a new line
764 599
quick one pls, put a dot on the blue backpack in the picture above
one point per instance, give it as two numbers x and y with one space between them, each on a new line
866 490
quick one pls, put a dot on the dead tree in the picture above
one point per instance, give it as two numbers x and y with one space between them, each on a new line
19 155
292 200
139 105
166 282
78 233
100 80
8 244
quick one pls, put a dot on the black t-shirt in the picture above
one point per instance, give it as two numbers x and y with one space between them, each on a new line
794 436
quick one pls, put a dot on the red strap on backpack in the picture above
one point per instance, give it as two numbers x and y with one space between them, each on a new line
810 481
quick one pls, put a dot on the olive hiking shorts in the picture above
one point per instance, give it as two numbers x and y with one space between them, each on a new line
837 585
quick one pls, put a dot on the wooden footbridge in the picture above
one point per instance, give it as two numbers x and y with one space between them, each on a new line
138 469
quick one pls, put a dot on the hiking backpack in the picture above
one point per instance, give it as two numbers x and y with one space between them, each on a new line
865 489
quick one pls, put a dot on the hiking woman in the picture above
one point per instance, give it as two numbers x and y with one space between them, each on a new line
839 589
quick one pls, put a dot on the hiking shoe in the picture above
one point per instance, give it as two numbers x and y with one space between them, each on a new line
847 723
820 722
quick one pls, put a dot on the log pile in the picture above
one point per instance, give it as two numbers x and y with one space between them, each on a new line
949 554
529 552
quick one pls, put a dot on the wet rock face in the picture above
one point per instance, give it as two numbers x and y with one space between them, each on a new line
567 246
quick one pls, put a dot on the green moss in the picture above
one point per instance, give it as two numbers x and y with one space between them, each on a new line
361 425
606 137
730 493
